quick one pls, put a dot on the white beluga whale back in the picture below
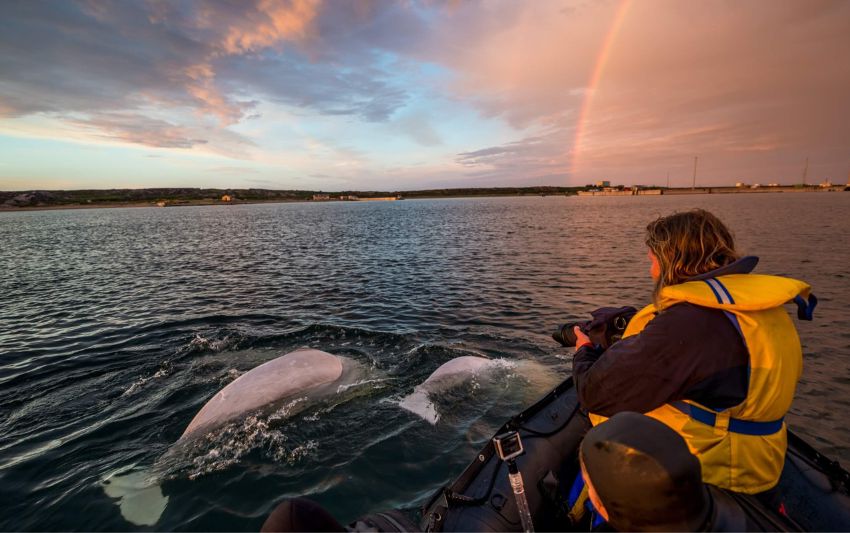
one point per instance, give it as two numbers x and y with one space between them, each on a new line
305 371
459 367
451 373
306 375
481 372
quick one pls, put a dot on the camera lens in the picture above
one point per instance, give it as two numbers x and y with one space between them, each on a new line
565 335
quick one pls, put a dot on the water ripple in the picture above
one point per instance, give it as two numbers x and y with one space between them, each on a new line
118 325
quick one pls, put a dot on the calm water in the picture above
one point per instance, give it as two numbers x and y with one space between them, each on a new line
117 325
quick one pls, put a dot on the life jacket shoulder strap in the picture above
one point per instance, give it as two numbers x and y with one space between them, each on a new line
806 308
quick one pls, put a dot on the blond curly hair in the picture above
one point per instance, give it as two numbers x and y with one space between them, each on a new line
688 244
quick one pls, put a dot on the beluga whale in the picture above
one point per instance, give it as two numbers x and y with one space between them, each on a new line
451 373
306 372
294 381
478 370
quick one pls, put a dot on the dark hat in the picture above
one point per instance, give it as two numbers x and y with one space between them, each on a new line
644 475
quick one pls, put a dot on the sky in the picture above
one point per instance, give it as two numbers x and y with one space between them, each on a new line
359 95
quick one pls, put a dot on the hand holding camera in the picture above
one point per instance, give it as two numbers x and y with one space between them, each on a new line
604 329
581 338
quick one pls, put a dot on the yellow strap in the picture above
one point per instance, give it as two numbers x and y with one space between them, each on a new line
578 509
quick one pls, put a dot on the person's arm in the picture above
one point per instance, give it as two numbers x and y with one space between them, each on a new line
641 372
585 355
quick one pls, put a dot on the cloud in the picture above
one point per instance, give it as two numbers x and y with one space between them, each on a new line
749 89
286 78
236 170
525 62
418 127
542 158
753 85
268 23
190 60
743 87
63 58
201 86
139 129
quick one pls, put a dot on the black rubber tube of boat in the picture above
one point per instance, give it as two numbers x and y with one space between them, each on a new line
464 500
838 477
542 434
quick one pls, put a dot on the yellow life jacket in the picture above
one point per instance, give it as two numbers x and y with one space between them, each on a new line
741 448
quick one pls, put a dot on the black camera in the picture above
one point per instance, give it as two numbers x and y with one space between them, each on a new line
565 334
607 327
508 445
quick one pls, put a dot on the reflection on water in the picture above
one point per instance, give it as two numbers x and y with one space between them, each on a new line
118 325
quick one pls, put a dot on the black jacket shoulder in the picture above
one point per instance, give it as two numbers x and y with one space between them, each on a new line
685 352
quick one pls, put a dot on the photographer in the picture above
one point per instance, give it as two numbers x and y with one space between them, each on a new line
715 356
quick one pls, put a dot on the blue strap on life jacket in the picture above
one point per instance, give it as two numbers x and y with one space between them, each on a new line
596 519
806 309
736 425
575 492
720 291
723 296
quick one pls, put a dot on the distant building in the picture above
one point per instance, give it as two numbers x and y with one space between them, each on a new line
826 184
740 184
321 197
603 184
226 198
773 185
350 197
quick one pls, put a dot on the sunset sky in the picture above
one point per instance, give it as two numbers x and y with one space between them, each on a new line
337 95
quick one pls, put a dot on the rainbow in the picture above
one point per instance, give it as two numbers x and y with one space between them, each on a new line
595 78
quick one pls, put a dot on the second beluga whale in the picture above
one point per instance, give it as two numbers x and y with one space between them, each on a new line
450 374
487 376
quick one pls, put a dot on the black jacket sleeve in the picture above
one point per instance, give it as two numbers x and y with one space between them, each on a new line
684 352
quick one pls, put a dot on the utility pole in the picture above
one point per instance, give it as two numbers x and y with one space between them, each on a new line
668 179
805 171
694 184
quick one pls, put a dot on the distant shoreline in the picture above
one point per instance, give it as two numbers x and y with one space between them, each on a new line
9 209
683 191
175 197
306 196
6 209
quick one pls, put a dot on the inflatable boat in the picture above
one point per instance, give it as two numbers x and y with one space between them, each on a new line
813 492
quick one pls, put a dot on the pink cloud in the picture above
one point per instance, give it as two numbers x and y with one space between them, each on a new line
744 85
266 24
528 62
201 86
272 22
138 129
738 85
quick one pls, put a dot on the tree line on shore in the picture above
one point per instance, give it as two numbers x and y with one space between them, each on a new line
40 198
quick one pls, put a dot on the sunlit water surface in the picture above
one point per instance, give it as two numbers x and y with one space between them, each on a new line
117 325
